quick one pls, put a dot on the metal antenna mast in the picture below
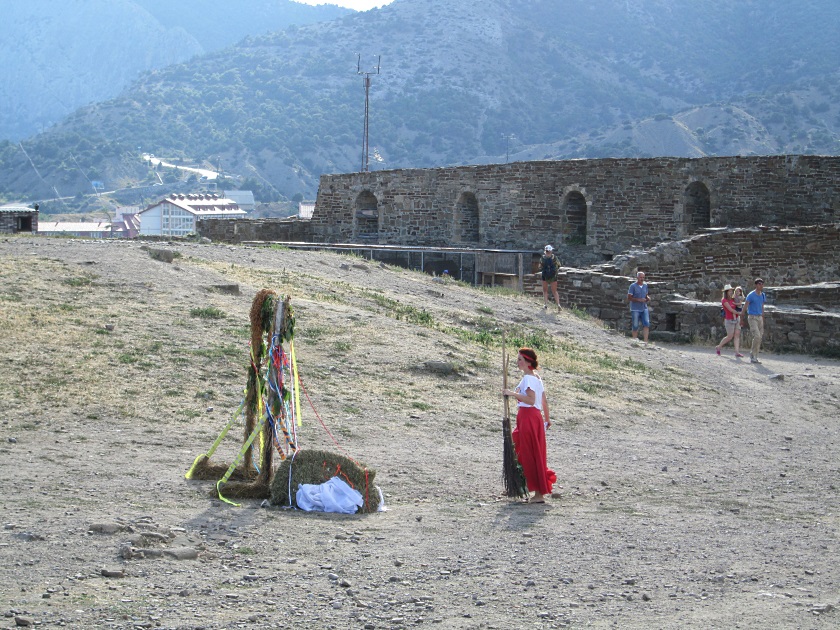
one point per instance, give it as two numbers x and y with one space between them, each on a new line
508 137
365 146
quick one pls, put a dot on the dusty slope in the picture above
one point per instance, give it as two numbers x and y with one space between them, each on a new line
697 492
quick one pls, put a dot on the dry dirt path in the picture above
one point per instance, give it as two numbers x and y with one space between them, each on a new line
697 491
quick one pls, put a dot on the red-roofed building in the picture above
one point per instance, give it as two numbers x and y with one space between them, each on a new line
127 225
176 215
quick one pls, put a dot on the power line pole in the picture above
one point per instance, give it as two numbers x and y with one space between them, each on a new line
365 146
508 137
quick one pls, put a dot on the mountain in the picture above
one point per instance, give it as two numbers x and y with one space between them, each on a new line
57 56
466 82
217 24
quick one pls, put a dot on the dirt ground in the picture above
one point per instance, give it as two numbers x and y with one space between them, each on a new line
696 491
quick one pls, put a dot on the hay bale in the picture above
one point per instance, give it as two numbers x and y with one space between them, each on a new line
241 484
316 467
258 489
205 470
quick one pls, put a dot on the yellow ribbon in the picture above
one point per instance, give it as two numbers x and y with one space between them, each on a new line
218 441
295 381
257 430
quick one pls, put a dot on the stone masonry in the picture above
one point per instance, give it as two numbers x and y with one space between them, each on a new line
239 230
611 205
674 218
18 219
699 266
686 278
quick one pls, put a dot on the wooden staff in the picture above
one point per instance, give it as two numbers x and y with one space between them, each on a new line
511 470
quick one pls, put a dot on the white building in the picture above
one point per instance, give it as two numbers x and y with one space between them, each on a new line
306 209
243 198
86 229
176 215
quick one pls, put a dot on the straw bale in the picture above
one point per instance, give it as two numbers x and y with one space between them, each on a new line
316 467
207 470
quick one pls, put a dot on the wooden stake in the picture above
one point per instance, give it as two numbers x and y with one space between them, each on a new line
514 480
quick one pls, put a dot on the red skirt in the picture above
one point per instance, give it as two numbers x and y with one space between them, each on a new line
529 443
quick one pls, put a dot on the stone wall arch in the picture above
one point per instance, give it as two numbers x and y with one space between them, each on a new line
697 205
575 212
467 219
366 216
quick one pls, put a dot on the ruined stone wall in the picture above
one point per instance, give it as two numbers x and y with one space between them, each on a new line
611 204
686 278
239 230
677 318
700 266
821 296
10 221
790 329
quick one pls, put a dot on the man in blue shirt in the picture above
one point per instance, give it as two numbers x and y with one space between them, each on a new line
638 297
755 317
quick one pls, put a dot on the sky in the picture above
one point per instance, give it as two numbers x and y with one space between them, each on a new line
358 5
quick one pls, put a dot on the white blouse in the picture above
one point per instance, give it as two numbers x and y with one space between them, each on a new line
533 383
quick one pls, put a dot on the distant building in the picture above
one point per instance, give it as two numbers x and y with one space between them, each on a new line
306 209
243 198
176 215
86 229
127 225
14 218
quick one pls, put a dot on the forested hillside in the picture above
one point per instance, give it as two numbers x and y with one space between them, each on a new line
56 56
465 82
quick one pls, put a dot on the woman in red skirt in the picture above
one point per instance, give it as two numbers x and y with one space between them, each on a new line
529 434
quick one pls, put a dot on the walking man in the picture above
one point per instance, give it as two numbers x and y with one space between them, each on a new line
755 317
638 297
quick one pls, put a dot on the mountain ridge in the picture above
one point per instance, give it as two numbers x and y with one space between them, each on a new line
527 79
74 54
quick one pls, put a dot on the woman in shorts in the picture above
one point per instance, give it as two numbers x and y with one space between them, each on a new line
731 321
548 271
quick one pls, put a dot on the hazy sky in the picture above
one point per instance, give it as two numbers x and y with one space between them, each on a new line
359 5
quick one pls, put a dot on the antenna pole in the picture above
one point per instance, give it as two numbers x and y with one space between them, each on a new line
366 75
508 137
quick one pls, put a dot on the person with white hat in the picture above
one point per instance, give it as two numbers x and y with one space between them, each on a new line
548 270
731 321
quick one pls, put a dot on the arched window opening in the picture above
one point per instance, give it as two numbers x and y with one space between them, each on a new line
466 219
574 208
698 208
367 216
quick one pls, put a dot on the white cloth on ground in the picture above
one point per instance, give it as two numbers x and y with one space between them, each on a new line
334 495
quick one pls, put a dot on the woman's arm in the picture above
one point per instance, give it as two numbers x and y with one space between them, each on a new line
529 397
545 410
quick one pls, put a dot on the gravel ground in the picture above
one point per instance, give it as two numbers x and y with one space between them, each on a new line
696 491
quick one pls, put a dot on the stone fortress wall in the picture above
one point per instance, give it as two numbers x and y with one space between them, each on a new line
241 230
608 205
677 219
800 267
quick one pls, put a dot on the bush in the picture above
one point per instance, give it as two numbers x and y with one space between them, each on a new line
208 312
